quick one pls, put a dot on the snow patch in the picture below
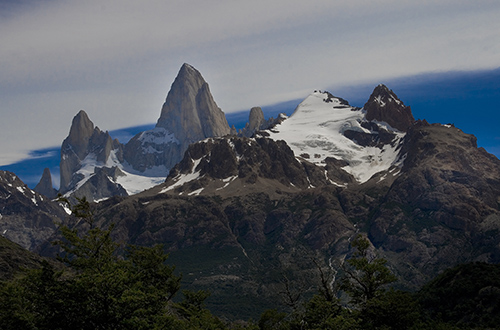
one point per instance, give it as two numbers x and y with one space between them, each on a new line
196 192
379 100
66 208
227 181
157 135
184 178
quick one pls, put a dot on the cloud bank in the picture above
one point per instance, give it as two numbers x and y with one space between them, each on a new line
116 59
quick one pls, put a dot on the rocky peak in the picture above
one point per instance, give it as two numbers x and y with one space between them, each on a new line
45 187
84 140
80 132
384 105
188 115
256 118
190 112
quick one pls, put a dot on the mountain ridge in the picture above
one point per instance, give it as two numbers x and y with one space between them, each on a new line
239 210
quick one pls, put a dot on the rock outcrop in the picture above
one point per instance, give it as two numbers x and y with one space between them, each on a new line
26 217
85 148
384 105
45 186
257 123
188 115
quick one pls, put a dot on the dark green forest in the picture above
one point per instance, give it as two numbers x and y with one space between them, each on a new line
100 284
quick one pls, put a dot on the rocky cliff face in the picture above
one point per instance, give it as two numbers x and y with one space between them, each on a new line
45 186
26 217
443 208
188 115
384 105
86 148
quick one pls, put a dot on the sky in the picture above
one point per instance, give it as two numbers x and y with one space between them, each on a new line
116 59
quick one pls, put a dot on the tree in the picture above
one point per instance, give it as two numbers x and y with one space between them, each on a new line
365 274
100 289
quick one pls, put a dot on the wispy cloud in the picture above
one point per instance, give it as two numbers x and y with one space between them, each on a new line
117 58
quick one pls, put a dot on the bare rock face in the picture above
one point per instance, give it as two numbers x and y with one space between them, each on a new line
26 217
384 105
257 122
190 112
256 118
232 166
45 187
84 145
188 115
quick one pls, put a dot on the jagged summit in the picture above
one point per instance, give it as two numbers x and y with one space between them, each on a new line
80 132
84 142
188 115
324 126
45 186
26 217
190 112
92 164
384 105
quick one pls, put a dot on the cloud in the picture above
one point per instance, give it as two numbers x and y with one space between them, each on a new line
117 58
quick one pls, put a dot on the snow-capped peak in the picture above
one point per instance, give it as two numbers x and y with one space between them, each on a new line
326 126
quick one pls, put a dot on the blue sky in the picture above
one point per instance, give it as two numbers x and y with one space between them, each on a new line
116 59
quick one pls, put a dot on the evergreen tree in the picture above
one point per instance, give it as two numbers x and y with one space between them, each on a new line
365 274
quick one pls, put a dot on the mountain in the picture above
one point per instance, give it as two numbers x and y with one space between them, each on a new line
237 212
246 214
188 115
257 122
96 167
26 217
14 258
327 127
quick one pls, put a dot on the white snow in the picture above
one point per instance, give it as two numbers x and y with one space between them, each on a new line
196 192
316 128
227 181
66 208
134 184
132 181
158 135
184 178
379 100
